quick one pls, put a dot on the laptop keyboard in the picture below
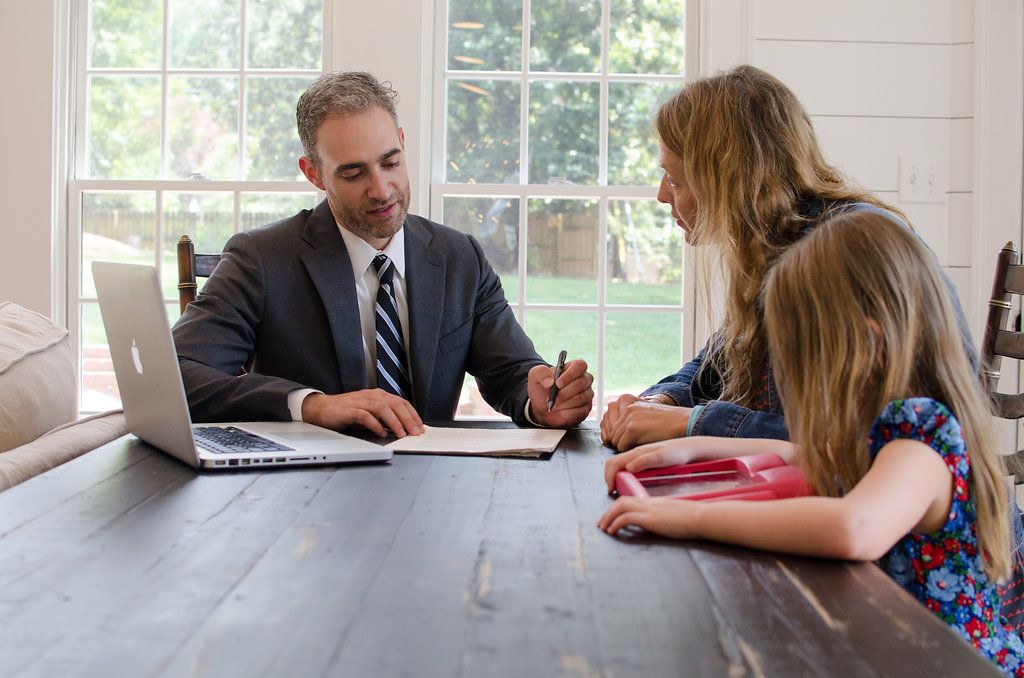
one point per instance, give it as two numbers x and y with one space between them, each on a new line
230 440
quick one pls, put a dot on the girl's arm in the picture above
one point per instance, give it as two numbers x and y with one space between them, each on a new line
907 488
686 450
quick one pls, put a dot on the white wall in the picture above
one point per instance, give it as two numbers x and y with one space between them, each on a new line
403 57
28 216
880 79
884 79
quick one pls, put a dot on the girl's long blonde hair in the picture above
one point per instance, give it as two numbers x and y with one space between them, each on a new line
752 162
857 315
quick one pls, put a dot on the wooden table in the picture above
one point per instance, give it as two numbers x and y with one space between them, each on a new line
125 562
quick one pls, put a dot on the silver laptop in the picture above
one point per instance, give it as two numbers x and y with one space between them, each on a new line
153 397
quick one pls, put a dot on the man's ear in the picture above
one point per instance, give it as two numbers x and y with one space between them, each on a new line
401 137
312 174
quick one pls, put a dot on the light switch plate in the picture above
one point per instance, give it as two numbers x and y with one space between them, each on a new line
923 178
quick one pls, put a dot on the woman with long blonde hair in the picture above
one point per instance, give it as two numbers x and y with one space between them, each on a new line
889 423
745 178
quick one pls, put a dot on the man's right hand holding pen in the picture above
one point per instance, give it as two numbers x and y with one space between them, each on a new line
572 388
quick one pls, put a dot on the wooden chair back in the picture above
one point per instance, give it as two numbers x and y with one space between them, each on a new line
999 341
190 267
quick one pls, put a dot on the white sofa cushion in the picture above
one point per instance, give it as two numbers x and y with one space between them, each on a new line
60 445
38 383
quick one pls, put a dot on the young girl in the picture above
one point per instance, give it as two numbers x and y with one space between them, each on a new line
888 422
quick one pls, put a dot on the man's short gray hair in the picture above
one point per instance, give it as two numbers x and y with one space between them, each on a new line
340 93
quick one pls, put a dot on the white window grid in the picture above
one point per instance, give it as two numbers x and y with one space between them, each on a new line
600 192
79 185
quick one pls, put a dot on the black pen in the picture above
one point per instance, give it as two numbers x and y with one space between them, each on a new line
559 366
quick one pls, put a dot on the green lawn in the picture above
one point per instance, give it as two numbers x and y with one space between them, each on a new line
640 347
544 289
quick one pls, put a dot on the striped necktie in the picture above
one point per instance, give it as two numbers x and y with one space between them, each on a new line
392 364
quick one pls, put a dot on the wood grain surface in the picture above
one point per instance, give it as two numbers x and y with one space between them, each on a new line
125 562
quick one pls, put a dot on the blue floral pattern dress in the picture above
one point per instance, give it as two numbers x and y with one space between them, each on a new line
944 569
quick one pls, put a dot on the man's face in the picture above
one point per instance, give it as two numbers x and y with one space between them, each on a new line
362 169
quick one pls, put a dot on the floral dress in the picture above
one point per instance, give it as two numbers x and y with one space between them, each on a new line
943 569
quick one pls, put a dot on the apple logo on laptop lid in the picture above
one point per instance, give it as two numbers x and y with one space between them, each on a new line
136 359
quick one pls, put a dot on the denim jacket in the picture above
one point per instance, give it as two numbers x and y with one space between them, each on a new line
701 389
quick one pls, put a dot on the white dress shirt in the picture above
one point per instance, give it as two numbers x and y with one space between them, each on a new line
361 254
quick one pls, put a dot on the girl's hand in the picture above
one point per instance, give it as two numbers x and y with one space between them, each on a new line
669 517
654 455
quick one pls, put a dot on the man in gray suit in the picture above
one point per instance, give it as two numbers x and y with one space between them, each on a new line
298 301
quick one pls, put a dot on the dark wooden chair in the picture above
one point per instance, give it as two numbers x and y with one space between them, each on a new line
190 267
1001 342
998 343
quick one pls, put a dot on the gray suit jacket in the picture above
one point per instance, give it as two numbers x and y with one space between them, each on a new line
283 299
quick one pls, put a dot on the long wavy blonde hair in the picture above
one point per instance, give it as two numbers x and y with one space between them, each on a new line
752 162
858 315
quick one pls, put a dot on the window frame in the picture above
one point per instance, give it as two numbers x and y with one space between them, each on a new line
600 192
78 151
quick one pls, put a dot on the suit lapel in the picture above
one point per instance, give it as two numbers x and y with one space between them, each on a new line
330 269
425 278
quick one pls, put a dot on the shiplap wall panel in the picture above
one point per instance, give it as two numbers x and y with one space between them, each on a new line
883 79
962 12
905 21
961 74
961 156
721 49
868 149
930 220
961 218
862 79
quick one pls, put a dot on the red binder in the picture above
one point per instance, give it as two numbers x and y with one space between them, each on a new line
754 477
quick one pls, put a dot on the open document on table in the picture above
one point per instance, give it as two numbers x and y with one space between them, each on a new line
486 442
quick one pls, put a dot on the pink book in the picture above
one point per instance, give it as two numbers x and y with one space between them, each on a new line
753 477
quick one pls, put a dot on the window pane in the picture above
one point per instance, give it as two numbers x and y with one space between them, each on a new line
564 125
483 132
124 127
632 144
645 254
574 331
99 385
126 33
640 349
565 36
202 138
204 33
646 36
472 405
285 33
561 259
117 227
272 142
495 223
207 218
486 36
260 209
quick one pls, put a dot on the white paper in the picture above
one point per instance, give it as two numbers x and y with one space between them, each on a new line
520 442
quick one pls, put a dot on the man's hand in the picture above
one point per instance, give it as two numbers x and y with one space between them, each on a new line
373 409
630 421
575 394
